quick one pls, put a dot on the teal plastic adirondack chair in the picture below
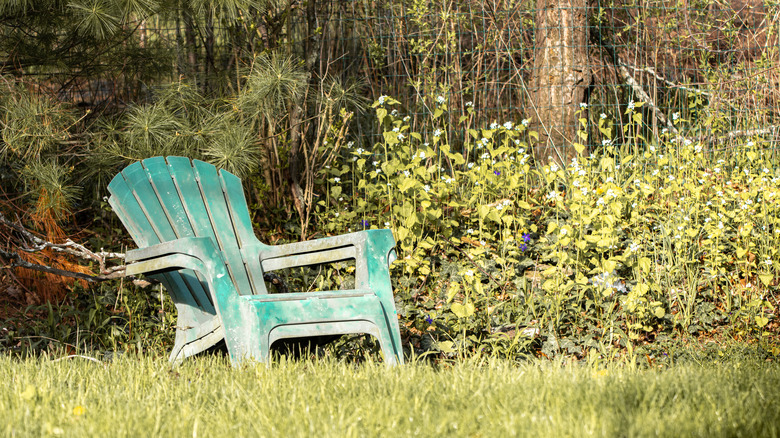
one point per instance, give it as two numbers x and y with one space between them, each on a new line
192 227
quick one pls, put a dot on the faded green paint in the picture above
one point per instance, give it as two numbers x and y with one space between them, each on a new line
194 233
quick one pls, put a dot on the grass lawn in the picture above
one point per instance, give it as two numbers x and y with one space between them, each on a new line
144 396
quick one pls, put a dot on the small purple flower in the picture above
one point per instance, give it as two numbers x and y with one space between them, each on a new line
523 247
428 319
364 222
526 237
497 172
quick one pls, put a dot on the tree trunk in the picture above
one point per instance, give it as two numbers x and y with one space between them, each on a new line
561 77
208 44
191 43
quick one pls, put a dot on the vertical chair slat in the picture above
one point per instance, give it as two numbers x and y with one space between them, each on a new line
170 202
239 213
124 202
237 208
187 187
223 224
138 180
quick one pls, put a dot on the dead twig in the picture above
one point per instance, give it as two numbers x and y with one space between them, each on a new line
16 261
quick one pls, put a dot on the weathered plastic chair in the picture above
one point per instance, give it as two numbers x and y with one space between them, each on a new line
194 234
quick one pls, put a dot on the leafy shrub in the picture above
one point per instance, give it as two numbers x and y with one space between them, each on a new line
631 243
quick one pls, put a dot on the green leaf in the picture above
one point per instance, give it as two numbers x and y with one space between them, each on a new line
407 184
463 310
483 211
454 288
427 243
644 264
410 221
761 321
446 346
381 113
390 137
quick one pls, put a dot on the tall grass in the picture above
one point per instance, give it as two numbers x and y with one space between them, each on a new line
143 396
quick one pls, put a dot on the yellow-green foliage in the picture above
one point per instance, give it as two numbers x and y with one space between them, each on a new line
633 240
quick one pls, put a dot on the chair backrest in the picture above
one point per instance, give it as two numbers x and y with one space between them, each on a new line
163 199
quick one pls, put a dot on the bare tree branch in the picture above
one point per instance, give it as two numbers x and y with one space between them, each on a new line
33 243
17 261
646 98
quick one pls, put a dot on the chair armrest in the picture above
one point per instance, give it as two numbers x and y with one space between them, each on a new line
155 258
327 250
372 250
199 254
310 246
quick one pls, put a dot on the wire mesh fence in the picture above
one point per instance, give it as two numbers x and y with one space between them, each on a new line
711 64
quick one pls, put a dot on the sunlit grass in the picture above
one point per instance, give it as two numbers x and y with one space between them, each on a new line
142 396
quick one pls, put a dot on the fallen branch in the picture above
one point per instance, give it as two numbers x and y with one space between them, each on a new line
640 92
33 243
646 98
78 356
717 139
629 79
661 117
16 261
651 71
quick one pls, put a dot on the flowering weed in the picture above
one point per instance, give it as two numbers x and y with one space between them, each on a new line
634 242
